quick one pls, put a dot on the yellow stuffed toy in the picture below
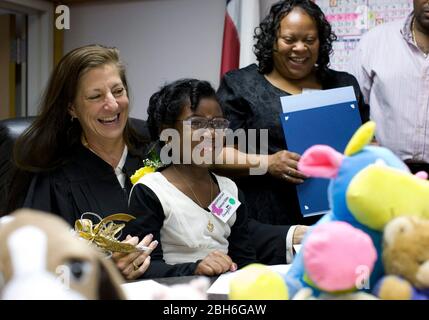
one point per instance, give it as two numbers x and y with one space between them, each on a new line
258 282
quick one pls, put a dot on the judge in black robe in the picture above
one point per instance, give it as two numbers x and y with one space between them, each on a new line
85 183
66 159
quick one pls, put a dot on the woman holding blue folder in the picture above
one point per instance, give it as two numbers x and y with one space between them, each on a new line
293 46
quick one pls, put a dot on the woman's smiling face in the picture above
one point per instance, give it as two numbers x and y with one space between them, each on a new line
101 104
297 47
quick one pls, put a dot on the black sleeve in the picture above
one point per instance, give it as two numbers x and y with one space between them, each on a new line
15 189
241 248
39 194
269 241
51 193
147 209
234 106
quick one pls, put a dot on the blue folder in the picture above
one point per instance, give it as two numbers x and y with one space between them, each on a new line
321 117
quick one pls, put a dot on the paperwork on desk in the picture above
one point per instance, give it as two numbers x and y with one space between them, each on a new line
221 285
141 290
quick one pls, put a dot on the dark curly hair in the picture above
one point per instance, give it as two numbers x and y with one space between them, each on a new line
266 34
166 104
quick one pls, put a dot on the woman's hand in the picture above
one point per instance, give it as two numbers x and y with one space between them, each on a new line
284 165
299 234
133 265
215 263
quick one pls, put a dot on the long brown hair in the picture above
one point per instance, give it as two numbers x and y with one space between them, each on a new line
46 143
50 139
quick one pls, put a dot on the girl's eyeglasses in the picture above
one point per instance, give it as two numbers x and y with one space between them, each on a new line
204 123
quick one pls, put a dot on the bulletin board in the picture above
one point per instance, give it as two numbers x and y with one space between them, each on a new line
350 19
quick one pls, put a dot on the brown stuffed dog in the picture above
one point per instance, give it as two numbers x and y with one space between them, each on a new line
40 258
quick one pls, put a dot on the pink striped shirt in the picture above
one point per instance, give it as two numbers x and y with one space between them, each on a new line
393 74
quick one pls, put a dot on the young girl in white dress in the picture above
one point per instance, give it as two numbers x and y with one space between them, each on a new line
184 205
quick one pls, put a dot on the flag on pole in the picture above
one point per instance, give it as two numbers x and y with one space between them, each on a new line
241 19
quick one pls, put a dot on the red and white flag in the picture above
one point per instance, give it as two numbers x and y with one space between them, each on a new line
241 19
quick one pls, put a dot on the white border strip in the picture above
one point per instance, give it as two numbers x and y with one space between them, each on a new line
317 99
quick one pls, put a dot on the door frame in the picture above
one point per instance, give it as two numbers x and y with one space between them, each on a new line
39 46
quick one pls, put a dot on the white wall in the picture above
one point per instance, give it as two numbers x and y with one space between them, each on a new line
265 6
159 40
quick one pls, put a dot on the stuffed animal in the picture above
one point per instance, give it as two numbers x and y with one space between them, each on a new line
257 282
338 259
369 186
41 259
406 260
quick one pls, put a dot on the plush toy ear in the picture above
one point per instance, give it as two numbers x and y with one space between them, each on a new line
320 161
361 138
110 281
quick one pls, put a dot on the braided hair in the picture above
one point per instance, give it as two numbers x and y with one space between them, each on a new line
166 104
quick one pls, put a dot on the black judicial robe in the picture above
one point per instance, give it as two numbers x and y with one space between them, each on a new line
85 183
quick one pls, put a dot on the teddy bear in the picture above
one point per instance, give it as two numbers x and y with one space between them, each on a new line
369 186
406 260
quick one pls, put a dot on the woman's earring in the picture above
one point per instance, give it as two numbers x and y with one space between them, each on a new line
72 118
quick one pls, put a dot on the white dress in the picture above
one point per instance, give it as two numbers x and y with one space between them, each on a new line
185 235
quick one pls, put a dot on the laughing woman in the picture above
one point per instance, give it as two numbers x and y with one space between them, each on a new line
77 155
293 47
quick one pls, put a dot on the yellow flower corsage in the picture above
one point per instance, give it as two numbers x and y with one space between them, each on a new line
150 165
140 173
